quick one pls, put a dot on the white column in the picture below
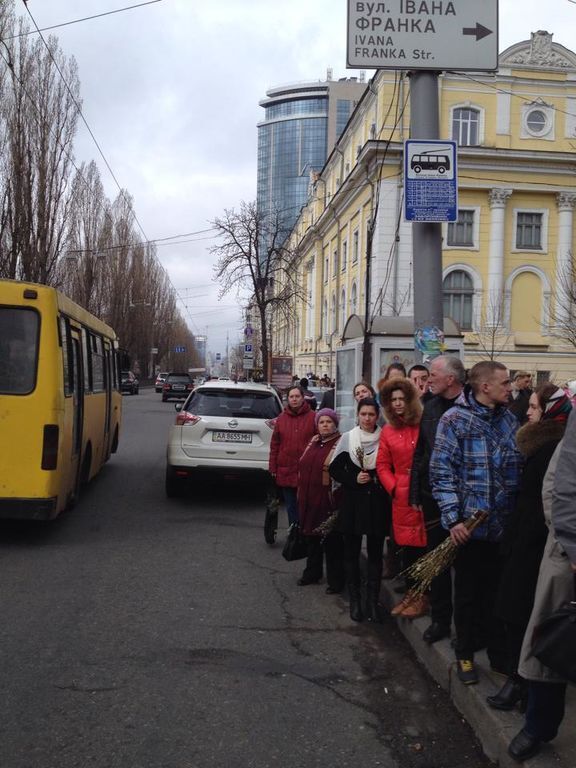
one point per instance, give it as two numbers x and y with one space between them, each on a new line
497 199
566 202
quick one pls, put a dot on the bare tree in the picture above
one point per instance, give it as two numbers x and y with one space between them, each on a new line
493 334
562 323
252 257
39 117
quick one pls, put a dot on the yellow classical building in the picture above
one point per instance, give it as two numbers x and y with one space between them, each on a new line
508 269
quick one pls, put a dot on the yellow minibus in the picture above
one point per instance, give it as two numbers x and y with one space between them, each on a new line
60 399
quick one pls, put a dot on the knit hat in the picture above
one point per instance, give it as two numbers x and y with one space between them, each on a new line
326 412
557 407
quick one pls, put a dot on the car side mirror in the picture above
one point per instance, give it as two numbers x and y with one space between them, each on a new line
178 406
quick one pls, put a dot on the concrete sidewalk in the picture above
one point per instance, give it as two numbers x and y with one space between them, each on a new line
494 729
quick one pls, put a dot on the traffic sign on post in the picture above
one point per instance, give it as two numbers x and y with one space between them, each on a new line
430 181
423 34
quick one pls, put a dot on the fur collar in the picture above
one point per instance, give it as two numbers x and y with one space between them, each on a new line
413 411
531 437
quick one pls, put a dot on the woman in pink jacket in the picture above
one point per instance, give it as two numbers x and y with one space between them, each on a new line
293 430
402 408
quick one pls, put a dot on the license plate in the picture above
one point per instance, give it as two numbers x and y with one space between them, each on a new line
231 437
178 387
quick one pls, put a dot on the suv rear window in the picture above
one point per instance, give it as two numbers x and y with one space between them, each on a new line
227 403
176 378
18 350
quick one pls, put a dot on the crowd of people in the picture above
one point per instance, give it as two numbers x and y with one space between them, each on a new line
434 450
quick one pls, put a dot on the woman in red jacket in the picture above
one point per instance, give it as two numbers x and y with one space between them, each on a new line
293 430
403 411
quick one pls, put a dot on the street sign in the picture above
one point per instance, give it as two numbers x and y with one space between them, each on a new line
248 331
423 34
154 351
430 181
179 349
248 351
218 355
248 363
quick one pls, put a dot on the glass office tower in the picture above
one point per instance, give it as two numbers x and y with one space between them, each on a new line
302 123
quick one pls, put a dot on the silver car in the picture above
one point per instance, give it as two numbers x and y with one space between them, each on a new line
223 428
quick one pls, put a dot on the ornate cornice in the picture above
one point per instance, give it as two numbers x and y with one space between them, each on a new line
539 51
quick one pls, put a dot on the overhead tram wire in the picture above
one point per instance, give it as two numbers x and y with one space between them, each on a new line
77 21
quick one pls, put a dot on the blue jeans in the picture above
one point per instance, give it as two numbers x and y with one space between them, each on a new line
291 502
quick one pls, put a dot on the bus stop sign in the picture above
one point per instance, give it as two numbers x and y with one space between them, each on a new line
430 181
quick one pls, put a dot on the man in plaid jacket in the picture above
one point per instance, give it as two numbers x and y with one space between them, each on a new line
475 466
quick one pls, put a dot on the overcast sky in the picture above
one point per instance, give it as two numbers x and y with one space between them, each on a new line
171 91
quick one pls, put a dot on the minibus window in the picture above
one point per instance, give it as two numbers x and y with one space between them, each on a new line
19 329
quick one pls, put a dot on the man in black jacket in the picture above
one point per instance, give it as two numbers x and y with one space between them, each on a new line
447 377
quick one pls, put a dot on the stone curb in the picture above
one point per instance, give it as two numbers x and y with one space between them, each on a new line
494 729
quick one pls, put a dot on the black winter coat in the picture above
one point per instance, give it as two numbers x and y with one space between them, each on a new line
420 491
526 532
363 509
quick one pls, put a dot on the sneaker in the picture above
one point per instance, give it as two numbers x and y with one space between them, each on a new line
466 671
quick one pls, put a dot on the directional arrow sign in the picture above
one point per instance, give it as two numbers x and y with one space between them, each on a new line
423 34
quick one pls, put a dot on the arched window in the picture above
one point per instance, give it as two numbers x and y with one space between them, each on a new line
333 315
466 126
458 293
343 308
353 299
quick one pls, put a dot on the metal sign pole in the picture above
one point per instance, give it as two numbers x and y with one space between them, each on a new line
426 236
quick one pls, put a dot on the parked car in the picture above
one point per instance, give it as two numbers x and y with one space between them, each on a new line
223 428
128 383
160 379
176 386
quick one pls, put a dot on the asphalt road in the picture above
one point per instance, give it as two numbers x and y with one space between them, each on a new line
142 632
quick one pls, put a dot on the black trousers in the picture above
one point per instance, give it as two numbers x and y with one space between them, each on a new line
476 578
408 556
545 711
441 587
374 550
333 548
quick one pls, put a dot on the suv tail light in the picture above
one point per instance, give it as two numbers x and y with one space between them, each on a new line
166 386
184 418
270 423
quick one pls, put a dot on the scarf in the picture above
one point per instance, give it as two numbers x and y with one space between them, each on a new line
363 447
558 407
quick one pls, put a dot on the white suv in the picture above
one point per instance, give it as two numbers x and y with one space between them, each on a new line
223 427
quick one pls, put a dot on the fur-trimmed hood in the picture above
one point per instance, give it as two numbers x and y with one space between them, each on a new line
531 437
413 412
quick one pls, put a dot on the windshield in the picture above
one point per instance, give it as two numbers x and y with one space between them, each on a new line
18 350
238 404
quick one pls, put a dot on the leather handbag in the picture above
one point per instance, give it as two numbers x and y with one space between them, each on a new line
554 640
296 547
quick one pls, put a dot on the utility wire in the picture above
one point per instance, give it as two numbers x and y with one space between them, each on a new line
77 21
80 113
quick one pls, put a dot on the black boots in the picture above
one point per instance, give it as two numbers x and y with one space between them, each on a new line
372 605
355 597
513 692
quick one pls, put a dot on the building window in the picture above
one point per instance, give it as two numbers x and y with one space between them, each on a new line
461 232
466 126
335 263
333 315
324 319
458 293
326 269
529 231
355 246
343 308
353 299
344 255
536 121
